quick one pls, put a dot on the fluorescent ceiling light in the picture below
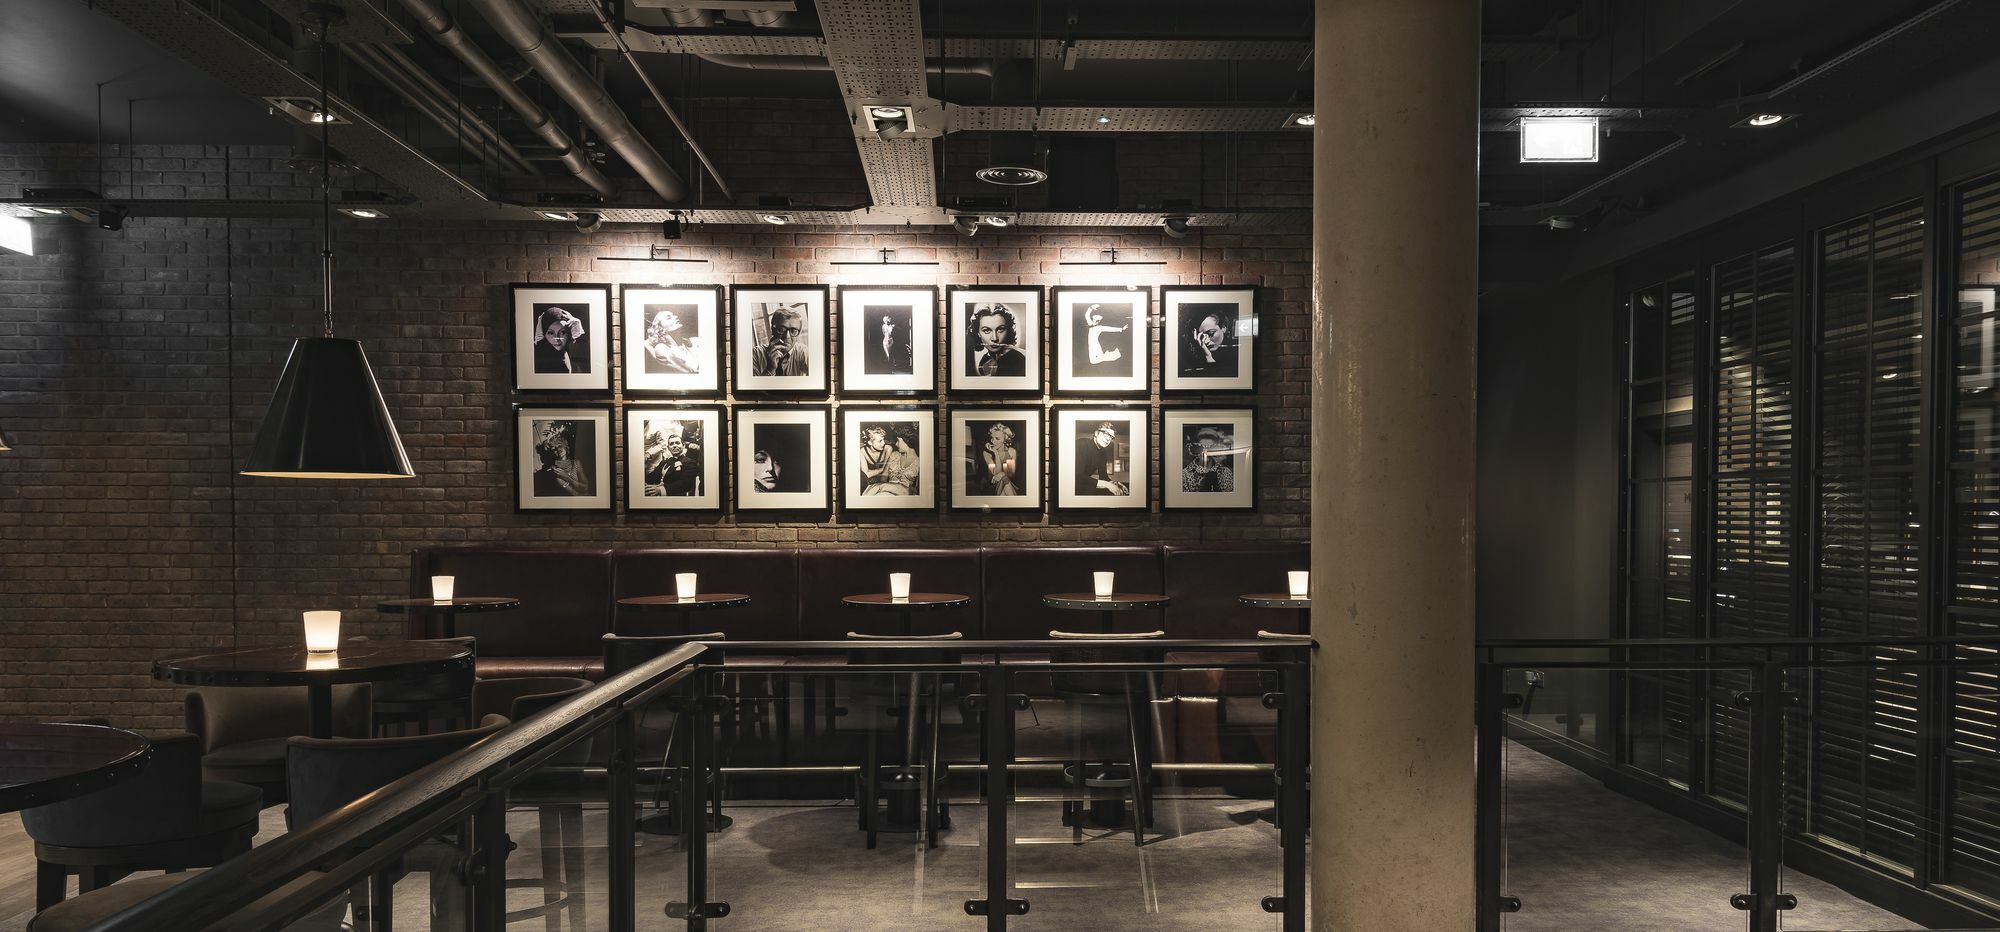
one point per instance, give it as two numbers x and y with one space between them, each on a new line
17 235
1559 139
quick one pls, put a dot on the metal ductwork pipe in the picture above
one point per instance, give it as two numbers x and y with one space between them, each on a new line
684 18
446 32
523 29
766 19
955 66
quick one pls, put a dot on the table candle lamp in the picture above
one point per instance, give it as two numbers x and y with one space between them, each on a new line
684 585
899 585
1300 581
441 587
322 632
1101 584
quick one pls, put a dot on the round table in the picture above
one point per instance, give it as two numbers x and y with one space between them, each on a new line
685 608
47 763
1104 605
917 602
355 662
448 610
1303 603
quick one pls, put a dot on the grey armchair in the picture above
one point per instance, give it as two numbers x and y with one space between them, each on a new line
243 729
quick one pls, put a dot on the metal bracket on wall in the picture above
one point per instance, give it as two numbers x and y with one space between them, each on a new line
701 911
1747 901
1010 907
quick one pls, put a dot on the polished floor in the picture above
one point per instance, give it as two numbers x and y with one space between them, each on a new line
1580 858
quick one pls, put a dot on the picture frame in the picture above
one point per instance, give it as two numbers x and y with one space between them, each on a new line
888 458
673 338
676 458
562 458
1208 458
1208 338
760 364
1103 340
888 339
981 479
782 460
1102 458
562 337
978 318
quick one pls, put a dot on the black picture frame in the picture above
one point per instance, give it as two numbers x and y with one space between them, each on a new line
855 504
529 304
1065 422
745 303
817 497
713 493
1175 423
1031 337
859 349
641 349
957 457
535 488
1180 373
1065 344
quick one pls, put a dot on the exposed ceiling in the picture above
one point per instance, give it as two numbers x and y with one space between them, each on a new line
1193 97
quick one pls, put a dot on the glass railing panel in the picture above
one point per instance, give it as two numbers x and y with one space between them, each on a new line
1192 843
558 837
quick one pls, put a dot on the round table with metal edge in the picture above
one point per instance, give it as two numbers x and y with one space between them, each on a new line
447 610
1302 603
902 788
668 821
354 662
42 763
1104 605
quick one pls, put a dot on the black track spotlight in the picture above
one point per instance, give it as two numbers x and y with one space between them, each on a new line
670 228
1176 227
965 224
587 222
111 218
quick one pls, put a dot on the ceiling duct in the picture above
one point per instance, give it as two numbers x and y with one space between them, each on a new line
445 31
522 29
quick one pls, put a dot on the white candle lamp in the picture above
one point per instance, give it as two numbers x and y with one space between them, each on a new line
1101 584
322 632
899 585
441 587
1301 583
684 586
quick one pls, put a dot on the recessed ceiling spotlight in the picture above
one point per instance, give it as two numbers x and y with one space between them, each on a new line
49 211
774 219
363 213
557 215
1301 120
1011 175
886 113
965 224
996 220
589 222
1559 139
1103 118
304 109
1760 120
1176 227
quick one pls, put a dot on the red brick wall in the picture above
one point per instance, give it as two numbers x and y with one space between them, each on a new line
134 367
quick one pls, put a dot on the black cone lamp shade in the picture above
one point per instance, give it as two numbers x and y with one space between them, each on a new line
327 419
3 444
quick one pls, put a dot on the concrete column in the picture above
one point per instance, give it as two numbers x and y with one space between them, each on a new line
1396 94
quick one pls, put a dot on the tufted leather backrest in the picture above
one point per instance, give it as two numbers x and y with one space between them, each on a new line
827 576
1018 577
1206 581
769 577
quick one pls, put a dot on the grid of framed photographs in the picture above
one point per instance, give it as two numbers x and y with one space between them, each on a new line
1050 405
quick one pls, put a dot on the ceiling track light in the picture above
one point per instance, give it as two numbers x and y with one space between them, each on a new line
560 215
1301 120
1763 120
774 219
1176 227
965 224
589 222
364 213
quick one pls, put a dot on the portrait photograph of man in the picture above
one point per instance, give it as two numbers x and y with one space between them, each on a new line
780 340
1208 458
673 458
1102 458
995 339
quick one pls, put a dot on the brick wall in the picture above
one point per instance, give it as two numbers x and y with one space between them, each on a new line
134 368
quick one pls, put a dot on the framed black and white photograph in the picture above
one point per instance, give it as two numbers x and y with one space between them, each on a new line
996 458
673 338
1209 334
562 338
994 339
1103 340
674 458
780 336
888 458
562 458
1101 458
1208 458
888 339
782 459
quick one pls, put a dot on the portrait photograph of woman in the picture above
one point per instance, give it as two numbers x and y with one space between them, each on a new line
888 339
782 459
995 339
888 458
997 458
562 337
563 459
1103 340
1210 338
673 339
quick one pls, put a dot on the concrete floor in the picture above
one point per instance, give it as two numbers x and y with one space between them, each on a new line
1580 857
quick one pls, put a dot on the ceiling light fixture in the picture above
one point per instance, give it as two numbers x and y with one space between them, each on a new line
1559 139
1103 118
1301 120
887 113
774 219
965 224
327 419
49 211
1176 227
363 213
305 110
1761 120
1011 175
557 215
996 220
589 222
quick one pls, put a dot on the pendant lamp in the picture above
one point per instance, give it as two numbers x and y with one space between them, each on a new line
327 419
3 444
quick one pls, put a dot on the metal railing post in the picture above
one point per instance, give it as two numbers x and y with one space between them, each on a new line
1294 745
489 867
1767 742
998 708
1489 712
622 834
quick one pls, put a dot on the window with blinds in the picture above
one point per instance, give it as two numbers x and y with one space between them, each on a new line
1859 790
1666 352
1972 595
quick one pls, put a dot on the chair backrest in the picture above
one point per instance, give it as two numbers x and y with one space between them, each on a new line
519 697
162 801
434 687
1099 683
623 653
324 774
942 655
224 715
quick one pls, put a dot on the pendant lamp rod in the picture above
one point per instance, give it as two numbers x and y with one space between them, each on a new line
324 15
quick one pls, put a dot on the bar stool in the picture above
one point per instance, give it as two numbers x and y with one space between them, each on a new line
1084 690
928 788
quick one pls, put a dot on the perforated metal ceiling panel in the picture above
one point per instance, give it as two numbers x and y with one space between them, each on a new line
245 67
876 46
752 44
899 172
1119 119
